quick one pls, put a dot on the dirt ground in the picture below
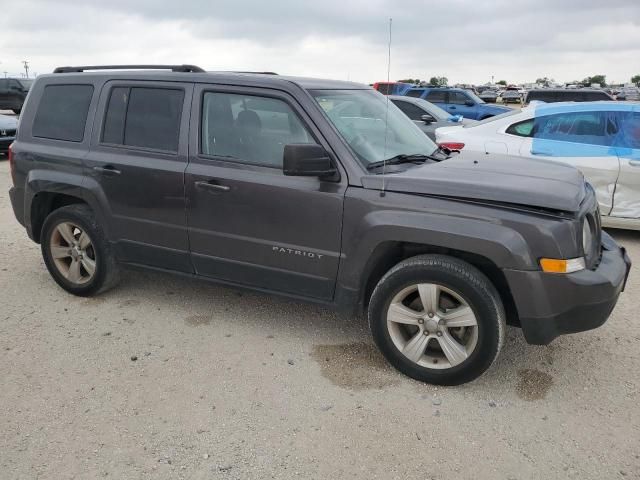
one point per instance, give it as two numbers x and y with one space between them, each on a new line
169 378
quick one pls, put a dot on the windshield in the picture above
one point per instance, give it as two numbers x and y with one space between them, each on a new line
26 84
360 117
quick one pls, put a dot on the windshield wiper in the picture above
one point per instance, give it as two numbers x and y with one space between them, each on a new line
402 158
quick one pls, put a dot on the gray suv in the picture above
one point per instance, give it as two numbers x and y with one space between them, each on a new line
314 189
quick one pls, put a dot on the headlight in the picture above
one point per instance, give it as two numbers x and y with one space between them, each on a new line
587 237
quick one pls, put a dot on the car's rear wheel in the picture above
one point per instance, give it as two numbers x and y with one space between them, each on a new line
76 252
437 319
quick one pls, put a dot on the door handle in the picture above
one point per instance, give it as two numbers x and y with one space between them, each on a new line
541 152
107 170
634 163
212 186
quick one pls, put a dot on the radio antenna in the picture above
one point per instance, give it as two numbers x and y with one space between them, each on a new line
386 113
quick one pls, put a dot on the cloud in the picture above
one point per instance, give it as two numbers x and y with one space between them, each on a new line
465 40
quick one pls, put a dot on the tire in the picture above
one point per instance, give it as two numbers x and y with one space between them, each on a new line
463 295
17 110
80 268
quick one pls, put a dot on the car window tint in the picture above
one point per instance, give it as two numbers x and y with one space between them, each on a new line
521 129
627 135
409 109
250 129
153 118
458 98
436 96
4 84
579 127
415 93
113 131
62 112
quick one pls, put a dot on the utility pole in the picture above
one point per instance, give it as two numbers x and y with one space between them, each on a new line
26 67
5 74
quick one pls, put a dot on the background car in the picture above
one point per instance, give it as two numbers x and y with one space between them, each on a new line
457 101
13 91
551 95
489 96
629 93
511 96
601 139
8 127
426 115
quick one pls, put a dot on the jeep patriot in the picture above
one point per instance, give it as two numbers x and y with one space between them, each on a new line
319 190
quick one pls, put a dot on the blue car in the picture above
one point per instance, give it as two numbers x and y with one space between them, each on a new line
457 101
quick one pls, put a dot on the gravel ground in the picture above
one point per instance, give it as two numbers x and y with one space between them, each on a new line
169 378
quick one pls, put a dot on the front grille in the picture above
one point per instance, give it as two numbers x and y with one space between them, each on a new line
7 133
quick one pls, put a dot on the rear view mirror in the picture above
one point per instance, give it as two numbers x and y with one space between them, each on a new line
469 103
427 118
307 160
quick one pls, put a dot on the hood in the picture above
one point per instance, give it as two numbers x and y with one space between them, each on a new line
495 109
494 178
8 123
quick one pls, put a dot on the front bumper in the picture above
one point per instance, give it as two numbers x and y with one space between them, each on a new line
554 304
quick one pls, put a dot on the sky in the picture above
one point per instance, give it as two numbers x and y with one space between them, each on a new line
466 41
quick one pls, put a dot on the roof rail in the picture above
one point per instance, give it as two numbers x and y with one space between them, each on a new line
257 73
173 68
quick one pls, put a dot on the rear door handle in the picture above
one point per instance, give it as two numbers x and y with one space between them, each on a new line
212 186
107 170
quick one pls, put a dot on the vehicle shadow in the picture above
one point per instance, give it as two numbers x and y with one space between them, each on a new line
329 336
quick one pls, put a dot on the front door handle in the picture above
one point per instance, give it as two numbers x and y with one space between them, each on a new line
634 163
212 186
107 170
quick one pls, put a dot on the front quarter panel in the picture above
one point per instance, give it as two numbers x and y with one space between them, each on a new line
507 237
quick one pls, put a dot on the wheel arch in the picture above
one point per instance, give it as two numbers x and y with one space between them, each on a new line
390 253
46 191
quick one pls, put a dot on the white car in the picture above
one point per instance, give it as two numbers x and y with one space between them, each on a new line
601 139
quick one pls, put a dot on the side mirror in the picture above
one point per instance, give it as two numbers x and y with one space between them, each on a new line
307 160
469 103
427 119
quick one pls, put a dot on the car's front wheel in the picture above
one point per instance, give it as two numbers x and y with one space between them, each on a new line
76 251
437 319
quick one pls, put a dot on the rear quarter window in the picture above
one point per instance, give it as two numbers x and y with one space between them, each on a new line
62 112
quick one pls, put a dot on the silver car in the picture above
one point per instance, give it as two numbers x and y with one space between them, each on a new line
426 115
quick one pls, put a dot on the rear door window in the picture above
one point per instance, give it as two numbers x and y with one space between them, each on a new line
437 96
409 109
62 112
146 117
458 98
